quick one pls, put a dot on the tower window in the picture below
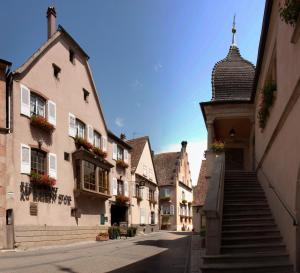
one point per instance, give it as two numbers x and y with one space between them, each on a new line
86 95
72 56
56 71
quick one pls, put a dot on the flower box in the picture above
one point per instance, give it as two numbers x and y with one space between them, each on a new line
42 123
121 164
184 201
166 199
102 237
218 147
42 179
81 142
153 202
139 198
99 152
122 199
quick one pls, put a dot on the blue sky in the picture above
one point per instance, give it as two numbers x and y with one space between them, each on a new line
151 59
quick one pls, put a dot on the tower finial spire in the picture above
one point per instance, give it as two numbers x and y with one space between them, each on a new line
233 32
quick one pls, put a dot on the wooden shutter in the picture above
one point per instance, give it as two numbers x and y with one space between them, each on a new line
104 143
25 101
90 134
51 112
72 125
126 188
172 209
25 159
115 186
126 156
52 165
115 151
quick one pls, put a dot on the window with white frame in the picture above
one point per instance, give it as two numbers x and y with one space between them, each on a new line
37 105
120 153
80 129
97 139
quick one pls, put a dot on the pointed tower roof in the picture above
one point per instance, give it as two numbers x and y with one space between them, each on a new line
232 77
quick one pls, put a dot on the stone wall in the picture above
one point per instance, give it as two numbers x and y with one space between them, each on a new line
34 236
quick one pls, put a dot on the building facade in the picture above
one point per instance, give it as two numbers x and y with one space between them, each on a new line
119 204
55 172
175 190
255 112
144 188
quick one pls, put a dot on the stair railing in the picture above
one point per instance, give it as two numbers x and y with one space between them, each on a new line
271 186
213 206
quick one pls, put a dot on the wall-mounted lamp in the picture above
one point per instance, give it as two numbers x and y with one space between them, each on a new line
232 133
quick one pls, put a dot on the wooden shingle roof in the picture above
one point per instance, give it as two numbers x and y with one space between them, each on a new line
166 166
232 77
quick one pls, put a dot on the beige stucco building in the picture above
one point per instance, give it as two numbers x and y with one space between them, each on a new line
144 188
55 159
175 189
254 191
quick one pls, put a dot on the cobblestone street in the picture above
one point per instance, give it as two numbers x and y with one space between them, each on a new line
156 252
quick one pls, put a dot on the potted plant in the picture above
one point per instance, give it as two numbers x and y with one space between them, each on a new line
42 123
184 201
190 203
114 232
289 12
102 236
42 179
121 164
267 99
218 146
165 198
99 152
81 142
122 199
139 198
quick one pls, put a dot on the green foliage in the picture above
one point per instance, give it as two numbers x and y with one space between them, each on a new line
114 232
289 12
131 231
218 146
267 99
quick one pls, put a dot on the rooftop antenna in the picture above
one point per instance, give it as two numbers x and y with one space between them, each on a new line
233 30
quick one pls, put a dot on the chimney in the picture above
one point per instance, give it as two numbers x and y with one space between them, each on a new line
51 16
183 146
123 136
4 70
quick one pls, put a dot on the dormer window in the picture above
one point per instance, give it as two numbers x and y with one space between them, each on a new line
72 56
56 71
86 95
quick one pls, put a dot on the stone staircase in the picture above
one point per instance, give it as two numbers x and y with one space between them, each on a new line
251 241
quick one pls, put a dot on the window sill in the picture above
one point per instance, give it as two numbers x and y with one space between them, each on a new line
80 192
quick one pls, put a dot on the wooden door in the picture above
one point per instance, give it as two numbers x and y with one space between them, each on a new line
234 159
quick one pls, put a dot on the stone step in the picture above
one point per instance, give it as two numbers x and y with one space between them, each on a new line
251 239
246 210
249 227
242 189
245 204
240 258
244 194
257 267
249 220
277 247
242 215
252 199
252 232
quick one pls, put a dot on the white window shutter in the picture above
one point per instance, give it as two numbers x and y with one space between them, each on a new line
126 156
25 100
142 214
172 209
115 186
142 192
155 218
72 125
25 159
147 193
133 189
90 134
156 195
51 112
126 188
115 151
104 143
149 217
52 165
